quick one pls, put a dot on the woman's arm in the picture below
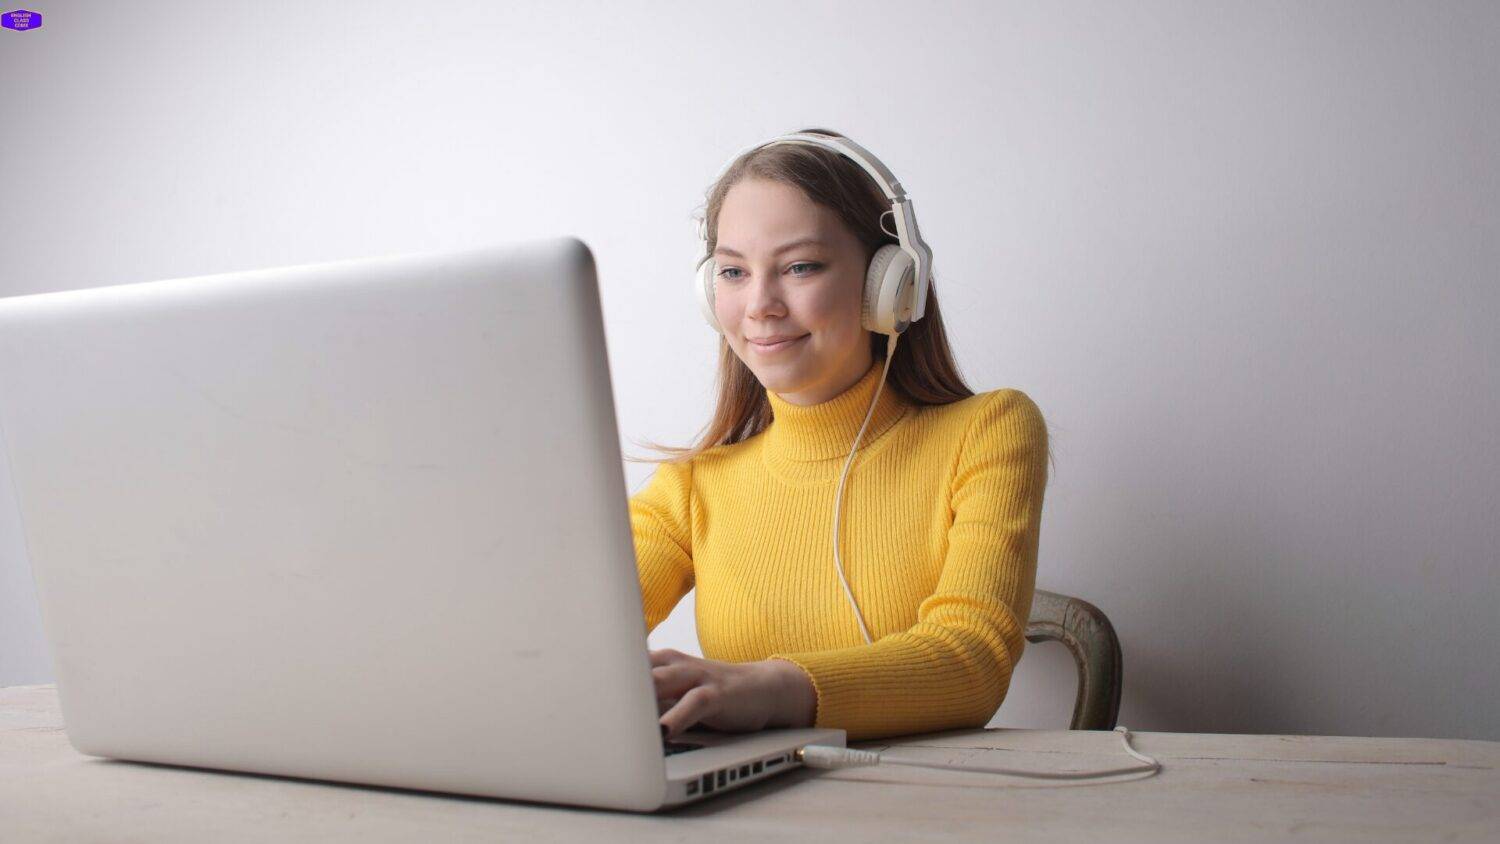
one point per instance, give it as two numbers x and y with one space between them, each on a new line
661 523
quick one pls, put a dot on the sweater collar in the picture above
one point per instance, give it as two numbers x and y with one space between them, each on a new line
808 433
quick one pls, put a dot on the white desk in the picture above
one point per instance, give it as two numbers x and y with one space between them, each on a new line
1213 787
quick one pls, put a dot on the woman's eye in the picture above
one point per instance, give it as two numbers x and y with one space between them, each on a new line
812 267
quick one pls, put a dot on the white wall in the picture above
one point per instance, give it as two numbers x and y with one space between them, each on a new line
1243 255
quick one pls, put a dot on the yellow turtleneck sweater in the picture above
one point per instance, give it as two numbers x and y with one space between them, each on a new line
938 539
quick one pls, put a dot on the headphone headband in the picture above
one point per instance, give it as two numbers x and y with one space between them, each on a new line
858 154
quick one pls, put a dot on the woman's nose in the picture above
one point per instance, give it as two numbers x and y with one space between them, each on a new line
764 298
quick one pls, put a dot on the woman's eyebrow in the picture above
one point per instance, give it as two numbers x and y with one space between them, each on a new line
806 241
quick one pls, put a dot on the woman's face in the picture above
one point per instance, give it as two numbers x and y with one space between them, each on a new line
770 285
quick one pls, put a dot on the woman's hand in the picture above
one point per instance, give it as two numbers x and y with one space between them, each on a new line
730 696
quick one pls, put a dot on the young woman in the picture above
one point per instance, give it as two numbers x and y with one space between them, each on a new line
914 620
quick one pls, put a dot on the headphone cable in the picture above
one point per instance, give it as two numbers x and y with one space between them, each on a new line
890 353
829 757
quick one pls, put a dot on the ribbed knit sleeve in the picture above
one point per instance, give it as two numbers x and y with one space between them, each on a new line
661 523
953 667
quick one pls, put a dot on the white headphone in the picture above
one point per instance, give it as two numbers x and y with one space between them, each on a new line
897 279
895 294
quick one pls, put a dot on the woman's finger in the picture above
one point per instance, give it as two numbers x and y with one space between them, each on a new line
665 656
699 703
674 680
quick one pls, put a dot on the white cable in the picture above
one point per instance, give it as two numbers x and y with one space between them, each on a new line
890 352
828 757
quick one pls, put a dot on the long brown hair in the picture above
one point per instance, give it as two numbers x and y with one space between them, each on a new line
923 371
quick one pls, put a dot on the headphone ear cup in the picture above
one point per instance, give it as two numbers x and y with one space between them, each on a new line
887 304
703 291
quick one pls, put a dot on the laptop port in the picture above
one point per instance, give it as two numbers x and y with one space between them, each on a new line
771 763
692 788
708 783
744 771
755 769
721 779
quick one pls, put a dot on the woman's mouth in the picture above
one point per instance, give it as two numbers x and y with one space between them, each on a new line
769 348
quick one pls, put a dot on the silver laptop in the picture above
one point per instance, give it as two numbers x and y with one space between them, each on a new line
362 521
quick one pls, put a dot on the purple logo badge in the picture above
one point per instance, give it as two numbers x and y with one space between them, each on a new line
21 19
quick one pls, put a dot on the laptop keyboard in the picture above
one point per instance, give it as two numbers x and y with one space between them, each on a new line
670 747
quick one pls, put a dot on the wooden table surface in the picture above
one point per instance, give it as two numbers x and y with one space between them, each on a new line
1212 787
